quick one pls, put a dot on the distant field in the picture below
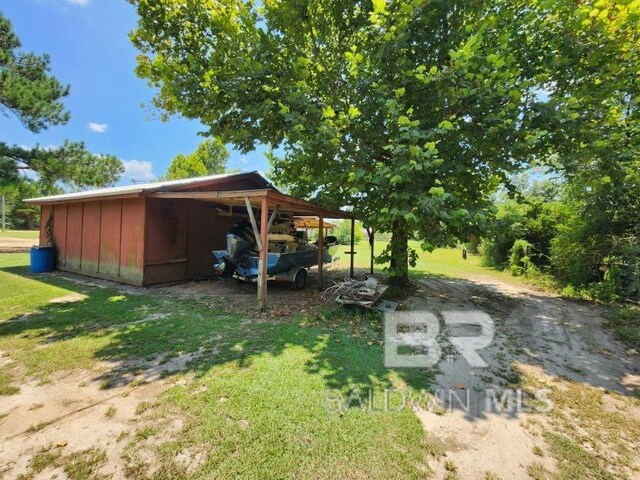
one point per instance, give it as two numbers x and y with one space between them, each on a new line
27 234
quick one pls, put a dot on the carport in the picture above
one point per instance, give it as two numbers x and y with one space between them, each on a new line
270 203
166 231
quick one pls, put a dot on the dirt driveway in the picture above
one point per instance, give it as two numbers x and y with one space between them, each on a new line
540 340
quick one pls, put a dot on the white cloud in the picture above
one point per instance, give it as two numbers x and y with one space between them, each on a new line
243 159
138 170
82 3
98 127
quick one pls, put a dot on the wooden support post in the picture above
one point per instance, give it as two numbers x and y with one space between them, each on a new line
320 249
262 264
271 219
254 225
371 244
352 252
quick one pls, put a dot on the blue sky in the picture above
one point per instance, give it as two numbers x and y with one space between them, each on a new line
90 50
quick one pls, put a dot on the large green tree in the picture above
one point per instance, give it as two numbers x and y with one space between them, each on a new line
410 112
29 92
208 159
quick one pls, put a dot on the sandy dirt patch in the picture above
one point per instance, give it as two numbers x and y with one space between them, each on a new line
560 338
72 412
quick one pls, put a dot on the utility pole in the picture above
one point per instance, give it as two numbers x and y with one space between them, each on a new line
4 223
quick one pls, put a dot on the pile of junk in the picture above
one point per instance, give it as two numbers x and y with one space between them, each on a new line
290 253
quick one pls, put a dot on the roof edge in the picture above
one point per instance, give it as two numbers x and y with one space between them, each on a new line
141 189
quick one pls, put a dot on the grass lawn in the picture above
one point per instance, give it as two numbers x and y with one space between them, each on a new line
256 399
27 234
442 261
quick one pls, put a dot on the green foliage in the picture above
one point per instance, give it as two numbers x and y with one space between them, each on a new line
19 215
413 139
208 159
26 88
533 216
520 261
185 166
343 232
71 164
587 237
625 322
598 248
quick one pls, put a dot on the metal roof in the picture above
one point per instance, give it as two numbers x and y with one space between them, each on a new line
141 188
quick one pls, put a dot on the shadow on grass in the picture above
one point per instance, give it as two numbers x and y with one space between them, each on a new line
159 331
133 333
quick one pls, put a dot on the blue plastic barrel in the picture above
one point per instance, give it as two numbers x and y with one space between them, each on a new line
43 259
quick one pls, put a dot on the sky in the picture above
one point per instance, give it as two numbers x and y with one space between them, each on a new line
90 50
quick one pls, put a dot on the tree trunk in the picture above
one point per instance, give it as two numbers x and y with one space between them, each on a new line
399 265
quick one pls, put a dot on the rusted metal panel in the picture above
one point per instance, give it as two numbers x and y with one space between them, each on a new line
132 241
91 237
60 233
110 226
73 251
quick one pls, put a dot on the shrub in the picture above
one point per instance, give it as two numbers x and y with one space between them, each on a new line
520 260
343 232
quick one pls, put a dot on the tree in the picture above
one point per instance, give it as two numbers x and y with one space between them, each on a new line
208 159
412 113
26 88
21 216
70 164
35 98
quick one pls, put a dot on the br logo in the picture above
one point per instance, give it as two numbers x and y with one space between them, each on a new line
418 332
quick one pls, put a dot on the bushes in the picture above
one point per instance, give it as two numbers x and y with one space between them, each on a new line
597 255
520 261
534 222
585 243
343 232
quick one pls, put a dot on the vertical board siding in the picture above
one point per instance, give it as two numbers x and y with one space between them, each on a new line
91 237
60 233
74 236
206 232
110 222
132 239
166 237
140 240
